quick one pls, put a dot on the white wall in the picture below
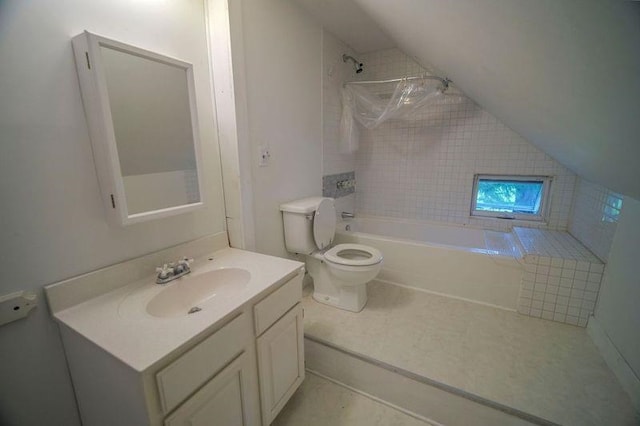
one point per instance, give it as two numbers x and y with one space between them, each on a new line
282 58
617 309
52 225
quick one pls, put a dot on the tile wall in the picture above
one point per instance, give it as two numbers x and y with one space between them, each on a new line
562 277
334 73
423 168
594 216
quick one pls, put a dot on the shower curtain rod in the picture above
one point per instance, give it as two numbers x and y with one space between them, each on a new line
445 81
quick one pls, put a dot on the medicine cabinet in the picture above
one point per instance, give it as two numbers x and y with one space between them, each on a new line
141 113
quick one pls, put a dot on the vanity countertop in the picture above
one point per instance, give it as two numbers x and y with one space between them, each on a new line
139 339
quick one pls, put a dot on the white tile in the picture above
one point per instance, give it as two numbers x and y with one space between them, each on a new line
594 277
557 262
587 222
566 282
423 169
593 287
564 291
573 310
555 271
559 316
581 275
579 284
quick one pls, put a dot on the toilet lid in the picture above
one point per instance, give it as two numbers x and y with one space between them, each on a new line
324 223
353 255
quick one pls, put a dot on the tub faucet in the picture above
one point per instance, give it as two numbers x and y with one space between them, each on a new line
347 215
171 271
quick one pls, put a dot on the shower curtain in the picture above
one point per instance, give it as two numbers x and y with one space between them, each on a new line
370 107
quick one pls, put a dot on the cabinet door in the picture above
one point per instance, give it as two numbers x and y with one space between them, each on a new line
225 400
280 362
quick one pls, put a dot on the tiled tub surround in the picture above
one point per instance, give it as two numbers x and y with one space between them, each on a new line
547 369
562 277
594 216
423 168
334 73
541 273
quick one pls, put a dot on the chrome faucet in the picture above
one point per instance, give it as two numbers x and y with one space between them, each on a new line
170 271
347 215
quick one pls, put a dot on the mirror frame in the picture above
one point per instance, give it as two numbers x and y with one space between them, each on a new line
95 98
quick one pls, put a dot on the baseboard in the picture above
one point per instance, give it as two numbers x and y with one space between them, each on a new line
616 362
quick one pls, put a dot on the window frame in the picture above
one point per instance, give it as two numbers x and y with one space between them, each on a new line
544 202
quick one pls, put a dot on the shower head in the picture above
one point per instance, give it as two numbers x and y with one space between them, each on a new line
357 66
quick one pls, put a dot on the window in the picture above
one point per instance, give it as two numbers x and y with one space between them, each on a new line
510 197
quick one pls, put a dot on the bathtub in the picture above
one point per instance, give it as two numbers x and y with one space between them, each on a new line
467 263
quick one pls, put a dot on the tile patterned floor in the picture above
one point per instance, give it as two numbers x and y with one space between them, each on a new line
319 402
545 368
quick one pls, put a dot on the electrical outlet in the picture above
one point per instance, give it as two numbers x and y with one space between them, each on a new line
17 305
263 161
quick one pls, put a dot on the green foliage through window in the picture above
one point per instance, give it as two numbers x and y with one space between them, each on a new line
511 196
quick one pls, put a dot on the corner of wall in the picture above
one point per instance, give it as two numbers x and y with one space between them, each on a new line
616 362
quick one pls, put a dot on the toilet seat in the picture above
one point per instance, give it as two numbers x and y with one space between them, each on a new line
324 223
353 255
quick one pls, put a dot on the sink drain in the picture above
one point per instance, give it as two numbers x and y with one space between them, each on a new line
194 310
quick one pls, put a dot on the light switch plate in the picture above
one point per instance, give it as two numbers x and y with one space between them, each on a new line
263 161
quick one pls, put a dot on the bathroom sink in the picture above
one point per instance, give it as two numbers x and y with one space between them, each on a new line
190 294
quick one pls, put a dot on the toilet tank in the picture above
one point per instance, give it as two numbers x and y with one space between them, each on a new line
297 217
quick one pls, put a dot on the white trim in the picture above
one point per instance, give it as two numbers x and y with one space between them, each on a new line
226 56
450 296
415 395
616 362
374 398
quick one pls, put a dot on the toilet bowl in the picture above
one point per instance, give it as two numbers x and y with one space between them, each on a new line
352 264
340 273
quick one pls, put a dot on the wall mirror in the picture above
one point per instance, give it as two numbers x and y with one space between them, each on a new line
141 112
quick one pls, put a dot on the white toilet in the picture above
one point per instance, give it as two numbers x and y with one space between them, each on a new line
340 274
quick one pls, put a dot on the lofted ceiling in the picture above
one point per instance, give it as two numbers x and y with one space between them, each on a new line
563 74
347 21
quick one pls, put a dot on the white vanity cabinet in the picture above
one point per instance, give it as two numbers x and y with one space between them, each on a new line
280 362
239 371
223 370
223 400
278 321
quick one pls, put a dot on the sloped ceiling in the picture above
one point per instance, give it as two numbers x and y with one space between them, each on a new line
347 21
563 74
